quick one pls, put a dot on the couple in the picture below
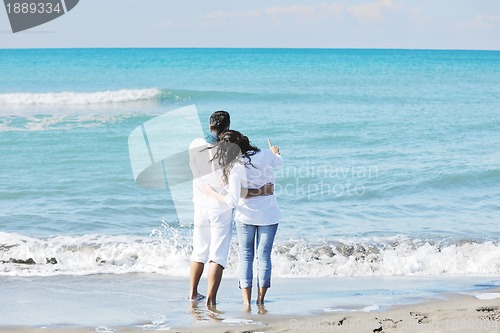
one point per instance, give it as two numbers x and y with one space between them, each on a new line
230 174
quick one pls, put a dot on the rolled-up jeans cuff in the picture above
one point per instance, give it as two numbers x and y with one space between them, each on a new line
245 284
265 285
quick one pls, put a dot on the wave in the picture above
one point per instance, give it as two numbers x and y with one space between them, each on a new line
134 95
80 98
390 257
166 252
465 179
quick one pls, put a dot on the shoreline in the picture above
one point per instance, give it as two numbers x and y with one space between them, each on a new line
477 311
457 312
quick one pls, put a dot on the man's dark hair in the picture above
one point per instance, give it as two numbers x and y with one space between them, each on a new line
220 122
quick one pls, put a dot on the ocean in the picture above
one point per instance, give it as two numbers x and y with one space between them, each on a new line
392 166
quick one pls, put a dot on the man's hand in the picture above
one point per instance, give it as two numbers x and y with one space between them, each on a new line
266 189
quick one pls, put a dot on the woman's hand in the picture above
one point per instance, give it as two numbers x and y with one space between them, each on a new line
209 190
274 149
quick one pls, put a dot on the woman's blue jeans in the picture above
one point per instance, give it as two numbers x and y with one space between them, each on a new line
255 239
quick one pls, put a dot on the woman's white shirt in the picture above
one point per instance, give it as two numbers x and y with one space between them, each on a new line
261 210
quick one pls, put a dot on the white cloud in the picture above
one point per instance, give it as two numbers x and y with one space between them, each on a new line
418 14
480 22
320 9
369 12
224 15
373 11
299 12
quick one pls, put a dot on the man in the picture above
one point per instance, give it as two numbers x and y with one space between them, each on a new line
212 220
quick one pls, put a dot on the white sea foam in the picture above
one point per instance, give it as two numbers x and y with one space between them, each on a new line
387 258
69 121
239 321
62 121
96 254
91 254
79 98
488 296
371 308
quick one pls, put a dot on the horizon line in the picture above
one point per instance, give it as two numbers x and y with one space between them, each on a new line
245 48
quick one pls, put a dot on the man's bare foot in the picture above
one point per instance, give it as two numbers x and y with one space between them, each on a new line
213 309
196 297
211 302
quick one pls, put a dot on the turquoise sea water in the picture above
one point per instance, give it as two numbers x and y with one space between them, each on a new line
392 160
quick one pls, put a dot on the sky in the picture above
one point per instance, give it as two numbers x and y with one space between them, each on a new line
407 24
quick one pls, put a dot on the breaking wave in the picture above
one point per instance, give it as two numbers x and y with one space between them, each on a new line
79 98
166 252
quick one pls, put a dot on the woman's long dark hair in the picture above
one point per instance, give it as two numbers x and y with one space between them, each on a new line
231 147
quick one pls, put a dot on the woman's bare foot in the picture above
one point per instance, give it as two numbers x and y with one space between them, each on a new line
261 295
247 295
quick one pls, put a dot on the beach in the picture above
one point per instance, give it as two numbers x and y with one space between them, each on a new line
389 191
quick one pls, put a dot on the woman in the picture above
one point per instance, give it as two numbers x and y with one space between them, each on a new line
257 218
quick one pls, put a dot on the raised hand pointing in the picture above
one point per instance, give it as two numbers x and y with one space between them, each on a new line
274 149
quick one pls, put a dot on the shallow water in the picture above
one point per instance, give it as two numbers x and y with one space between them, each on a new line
150 302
